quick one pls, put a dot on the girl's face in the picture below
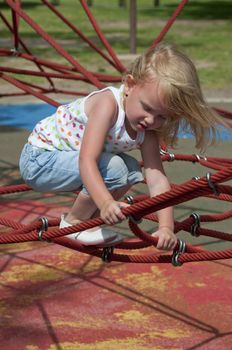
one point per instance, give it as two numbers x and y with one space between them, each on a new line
144 105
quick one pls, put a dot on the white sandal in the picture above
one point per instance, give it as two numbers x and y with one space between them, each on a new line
101 236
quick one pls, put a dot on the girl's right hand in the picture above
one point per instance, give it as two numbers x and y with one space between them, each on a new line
111 212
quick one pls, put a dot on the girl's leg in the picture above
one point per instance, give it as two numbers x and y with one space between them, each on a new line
119 173
117 194
84 208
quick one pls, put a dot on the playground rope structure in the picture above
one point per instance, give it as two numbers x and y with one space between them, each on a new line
211 186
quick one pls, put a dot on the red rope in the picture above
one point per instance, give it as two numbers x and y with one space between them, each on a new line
90 77
15 20
143 206
101 36
14 188
223 112
26 88
169 23
68 76
23 46
55 45
79 32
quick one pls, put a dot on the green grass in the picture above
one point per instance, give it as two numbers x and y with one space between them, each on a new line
203 30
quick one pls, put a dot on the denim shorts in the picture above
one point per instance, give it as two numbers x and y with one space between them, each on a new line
53 171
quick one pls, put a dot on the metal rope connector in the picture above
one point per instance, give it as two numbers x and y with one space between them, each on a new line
15 52
199 157
196 178
166 153
176 254
106 252
195 225
130 200
43 229
211 184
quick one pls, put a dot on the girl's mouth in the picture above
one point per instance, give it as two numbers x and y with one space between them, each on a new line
142 126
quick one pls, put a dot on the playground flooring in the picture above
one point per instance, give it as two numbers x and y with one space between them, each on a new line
55 298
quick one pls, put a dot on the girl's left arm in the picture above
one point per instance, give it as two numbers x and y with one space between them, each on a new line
158 183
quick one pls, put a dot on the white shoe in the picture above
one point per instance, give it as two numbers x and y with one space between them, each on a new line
118 239
100 236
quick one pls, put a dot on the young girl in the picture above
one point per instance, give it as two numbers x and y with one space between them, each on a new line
82 145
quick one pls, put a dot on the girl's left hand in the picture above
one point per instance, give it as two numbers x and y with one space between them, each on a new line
166 238
111 212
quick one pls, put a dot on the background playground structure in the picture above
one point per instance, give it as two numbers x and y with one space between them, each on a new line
202 29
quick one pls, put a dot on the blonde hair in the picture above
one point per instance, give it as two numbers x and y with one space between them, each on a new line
178 80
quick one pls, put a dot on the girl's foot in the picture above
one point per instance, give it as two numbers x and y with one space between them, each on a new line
96 236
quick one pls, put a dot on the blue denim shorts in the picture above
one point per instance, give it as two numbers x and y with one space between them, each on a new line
53 171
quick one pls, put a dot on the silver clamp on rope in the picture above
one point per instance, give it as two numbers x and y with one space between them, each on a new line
15 52
162 152
106 252
199 157
211 184
43 229
130 200
166 153
195 225
176 254
196 178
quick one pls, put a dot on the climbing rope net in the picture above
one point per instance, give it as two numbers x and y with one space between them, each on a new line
211 186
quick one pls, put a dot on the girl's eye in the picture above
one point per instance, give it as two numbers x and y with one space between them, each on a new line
161 116
147 109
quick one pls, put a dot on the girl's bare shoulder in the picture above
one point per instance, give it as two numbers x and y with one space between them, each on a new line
103 103
104 99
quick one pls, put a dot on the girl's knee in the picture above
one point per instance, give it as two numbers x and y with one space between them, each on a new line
119 170
116 168
113 170
131 163
135 174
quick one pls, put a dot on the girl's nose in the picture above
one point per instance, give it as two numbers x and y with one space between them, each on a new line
154 122
150 120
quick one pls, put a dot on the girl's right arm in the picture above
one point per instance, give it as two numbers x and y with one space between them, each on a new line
101 110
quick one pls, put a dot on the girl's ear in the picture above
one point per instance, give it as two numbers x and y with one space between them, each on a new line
129 83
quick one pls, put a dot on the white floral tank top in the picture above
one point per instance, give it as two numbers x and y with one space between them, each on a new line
64 129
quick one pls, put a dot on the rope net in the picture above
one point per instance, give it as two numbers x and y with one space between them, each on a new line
211 186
